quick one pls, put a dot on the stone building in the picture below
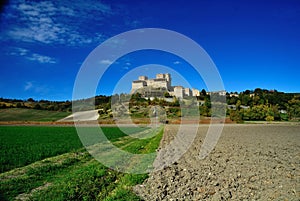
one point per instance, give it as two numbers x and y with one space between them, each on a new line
159 85
178 92
162 81
195 92
187 92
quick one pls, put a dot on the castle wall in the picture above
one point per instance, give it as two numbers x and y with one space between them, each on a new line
163 81
178 91
187 92
157 83
143 77
137 85
195 92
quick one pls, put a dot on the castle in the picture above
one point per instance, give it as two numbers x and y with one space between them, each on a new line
159 85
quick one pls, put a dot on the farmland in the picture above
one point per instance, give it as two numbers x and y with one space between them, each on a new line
249 162
28 144
42 163
24 114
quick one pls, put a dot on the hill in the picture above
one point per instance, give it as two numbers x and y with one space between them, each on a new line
24 114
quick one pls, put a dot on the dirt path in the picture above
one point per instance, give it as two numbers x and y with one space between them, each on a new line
90 115
250 162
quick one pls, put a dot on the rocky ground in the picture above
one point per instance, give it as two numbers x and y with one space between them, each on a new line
250 162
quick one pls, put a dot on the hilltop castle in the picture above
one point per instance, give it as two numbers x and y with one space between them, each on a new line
159 85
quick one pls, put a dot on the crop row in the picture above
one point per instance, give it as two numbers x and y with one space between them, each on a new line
74 175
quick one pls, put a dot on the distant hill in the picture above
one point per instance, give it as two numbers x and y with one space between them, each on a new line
23 114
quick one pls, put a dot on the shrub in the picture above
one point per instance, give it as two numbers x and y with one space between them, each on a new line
269 118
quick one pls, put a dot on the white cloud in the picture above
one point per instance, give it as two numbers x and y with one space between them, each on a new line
41 58
19 51
176 62
32 56
106 61
28 85
59 22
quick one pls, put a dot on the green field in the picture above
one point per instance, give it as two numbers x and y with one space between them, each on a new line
22 145
60 168
22 114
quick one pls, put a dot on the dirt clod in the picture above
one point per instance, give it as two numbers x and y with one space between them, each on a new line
250 162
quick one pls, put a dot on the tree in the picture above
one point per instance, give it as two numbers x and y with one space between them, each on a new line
37 107
258 91
294 108
246 99
204 110
30 100
232 100
3 106
247 92
207 102
236 115
238 105
255 100
175 102
166 94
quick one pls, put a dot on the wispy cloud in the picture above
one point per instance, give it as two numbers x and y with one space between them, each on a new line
32 56
19 51
35 87
176 62
125 67
41 58
106 61
28 86
55 22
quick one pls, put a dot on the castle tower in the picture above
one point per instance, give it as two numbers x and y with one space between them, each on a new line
169 81
178 92
143 77
160 76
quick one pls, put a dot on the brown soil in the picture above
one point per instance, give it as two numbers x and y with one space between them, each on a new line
250 162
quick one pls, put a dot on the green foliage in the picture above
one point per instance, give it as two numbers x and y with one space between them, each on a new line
166 94
265 105
294 108
175 103
232 100
204 111
246 99
236 115
269 118
139 106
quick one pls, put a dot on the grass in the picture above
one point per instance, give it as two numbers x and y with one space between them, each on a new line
22 145
22 114
74 175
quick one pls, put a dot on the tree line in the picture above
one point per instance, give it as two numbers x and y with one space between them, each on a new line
262 104
248 105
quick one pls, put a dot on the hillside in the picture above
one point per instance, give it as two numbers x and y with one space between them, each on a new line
249 105
24 114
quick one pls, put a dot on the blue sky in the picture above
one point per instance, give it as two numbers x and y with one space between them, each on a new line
44 43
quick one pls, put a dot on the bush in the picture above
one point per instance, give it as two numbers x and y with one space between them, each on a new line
269 118
236 115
